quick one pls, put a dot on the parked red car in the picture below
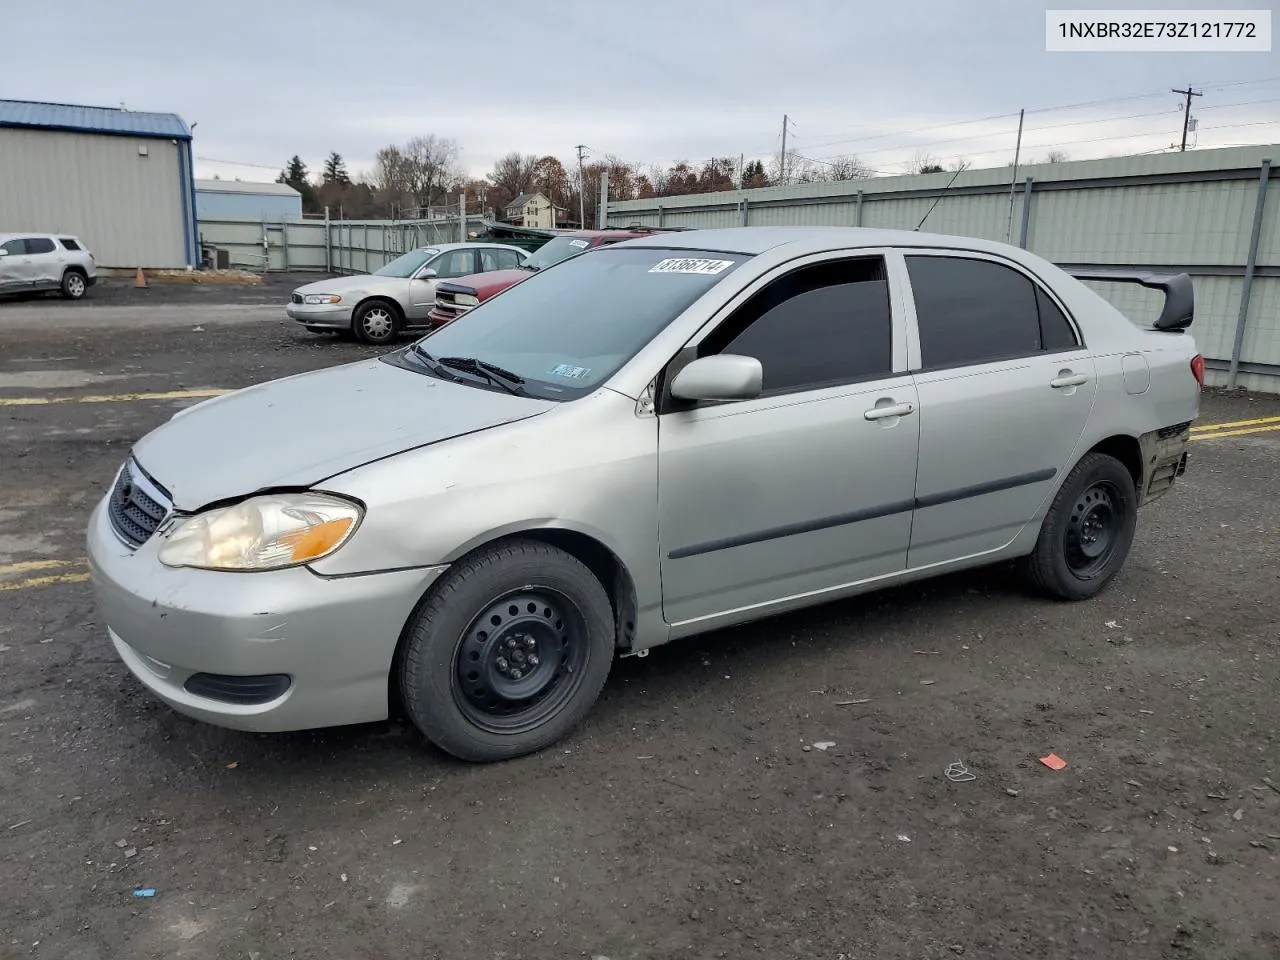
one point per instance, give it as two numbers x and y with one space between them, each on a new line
456 297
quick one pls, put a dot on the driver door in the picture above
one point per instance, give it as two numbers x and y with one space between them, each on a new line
13 265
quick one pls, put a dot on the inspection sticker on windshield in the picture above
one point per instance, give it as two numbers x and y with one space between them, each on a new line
569 371
689 265
579 243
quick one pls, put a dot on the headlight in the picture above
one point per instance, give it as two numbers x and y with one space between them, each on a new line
263 533
315 299
466 300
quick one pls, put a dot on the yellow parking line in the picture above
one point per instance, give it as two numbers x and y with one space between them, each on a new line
43 581
111 398
1219 434
1232 424
30 566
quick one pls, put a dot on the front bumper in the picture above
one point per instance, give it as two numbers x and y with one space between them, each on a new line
336 315
333 638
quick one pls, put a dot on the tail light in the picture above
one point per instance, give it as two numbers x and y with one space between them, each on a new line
1197 369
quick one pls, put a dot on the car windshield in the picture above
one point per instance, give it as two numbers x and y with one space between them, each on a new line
553 251
406 265
567 330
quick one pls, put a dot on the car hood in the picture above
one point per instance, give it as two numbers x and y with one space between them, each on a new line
303 429
495 281
355 284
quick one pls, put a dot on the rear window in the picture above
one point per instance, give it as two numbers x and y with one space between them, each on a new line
68 243
568 329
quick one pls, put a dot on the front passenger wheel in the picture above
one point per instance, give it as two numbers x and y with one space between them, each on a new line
1087 533
508 652
376 322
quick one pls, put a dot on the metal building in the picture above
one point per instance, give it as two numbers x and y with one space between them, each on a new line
237 200
121 180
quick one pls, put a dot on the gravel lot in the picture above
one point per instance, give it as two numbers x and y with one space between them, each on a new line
690 816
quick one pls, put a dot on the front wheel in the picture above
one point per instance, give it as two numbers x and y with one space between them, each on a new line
376 322
74 285
508 653
1087 533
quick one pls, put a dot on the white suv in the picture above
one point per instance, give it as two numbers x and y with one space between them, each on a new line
36 262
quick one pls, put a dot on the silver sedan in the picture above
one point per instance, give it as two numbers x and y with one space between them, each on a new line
377 307
675 434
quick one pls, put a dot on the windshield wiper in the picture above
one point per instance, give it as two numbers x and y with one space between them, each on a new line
511 382
528 266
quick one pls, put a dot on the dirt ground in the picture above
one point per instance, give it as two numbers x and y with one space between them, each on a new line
691 816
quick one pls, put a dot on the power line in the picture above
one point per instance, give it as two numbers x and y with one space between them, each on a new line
239 163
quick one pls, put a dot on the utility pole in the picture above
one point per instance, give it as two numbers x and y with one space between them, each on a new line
582 189
782 160
1186 113
1013 182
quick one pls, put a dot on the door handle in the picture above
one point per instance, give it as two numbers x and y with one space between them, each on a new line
1068 380
895 410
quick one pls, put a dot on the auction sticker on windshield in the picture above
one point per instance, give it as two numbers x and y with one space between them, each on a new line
689 265
580 244
569 371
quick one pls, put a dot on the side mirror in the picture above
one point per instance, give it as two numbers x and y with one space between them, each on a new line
722 377
428 274
3 252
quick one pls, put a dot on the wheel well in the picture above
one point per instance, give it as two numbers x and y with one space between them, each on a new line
1128 451
378 299
594 555
74 269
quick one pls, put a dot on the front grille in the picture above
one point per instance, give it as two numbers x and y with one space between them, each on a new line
296 298
137 505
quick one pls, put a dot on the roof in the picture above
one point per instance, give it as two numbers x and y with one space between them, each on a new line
34 115
240 186
751 241
522 199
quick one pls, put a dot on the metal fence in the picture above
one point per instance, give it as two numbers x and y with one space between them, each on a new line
333 246
1206 213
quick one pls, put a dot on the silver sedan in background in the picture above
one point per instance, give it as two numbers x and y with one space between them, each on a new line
377 307
674 434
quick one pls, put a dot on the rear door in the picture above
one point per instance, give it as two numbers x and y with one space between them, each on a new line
1005 386
809 486
45 260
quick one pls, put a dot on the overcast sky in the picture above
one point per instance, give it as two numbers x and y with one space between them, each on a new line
649 81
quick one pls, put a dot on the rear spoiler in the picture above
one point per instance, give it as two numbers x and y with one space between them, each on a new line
1179 298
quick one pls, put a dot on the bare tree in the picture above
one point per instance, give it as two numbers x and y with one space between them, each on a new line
923 163
1056 156
512 175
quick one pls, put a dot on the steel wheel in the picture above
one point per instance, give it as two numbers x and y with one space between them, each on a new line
520 661
1093 529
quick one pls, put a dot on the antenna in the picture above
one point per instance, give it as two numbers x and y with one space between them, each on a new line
961 168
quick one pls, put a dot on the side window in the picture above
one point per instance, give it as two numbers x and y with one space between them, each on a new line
1056 332
509 260
488 260
16 247
817 326
68 243
972 311
455 263
40 245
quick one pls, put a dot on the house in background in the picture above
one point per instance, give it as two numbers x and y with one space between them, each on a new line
239 200
534 210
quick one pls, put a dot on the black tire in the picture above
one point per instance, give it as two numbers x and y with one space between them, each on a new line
1087 533
376 322
74 285
508 652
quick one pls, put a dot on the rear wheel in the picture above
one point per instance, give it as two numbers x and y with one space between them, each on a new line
376 322
74 285
1087 533
508 653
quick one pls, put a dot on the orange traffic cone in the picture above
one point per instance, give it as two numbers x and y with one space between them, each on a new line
139 280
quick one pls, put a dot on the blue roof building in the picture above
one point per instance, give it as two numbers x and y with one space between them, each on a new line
121 180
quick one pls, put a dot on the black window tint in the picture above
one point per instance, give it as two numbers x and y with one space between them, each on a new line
16 248
820 325
69 244
39 245
1055 329
972 311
